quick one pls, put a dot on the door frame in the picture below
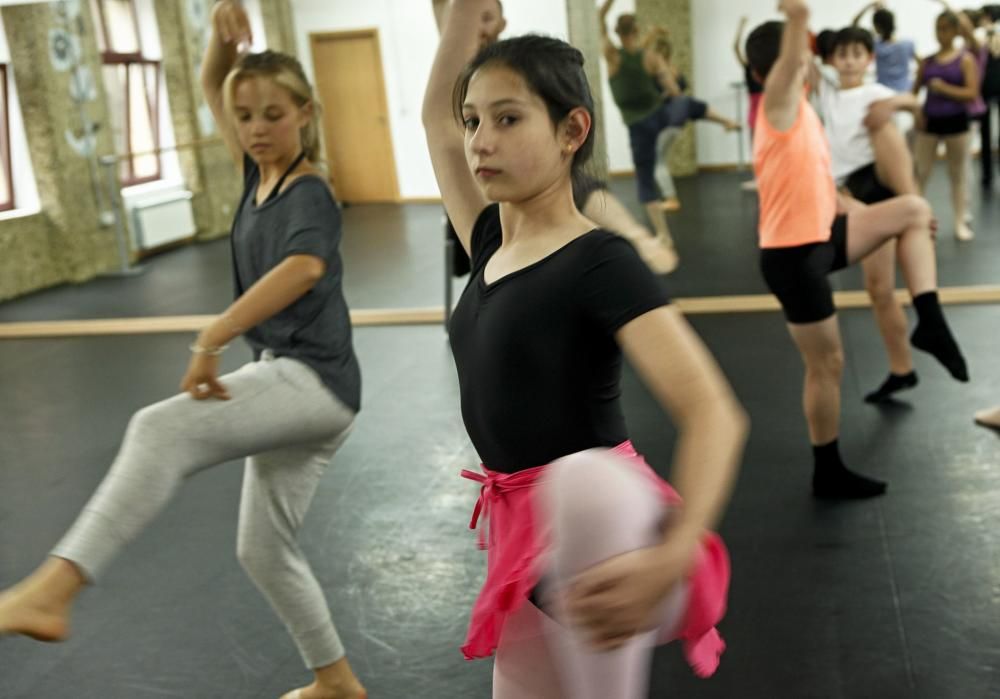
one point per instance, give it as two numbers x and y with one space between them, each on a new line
316 38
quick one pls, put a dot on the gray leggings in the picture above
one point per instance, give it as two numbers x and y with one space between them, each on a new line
288 425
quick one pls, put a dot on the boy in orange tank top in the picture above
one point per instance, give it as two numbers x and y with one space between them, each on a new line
807 231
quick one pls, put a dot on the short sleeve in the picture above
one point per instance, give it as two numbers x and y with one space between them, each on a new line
314 221
616 286
486 236
882 92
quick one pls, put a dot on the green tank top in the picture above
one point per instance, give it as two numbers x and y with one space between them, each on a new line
635 91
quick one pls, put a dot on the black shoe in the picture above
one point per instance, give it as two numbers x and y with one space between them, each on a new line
892 384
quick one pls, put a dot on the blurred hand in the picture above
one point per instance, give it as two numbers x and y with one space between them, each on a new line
621 597
231 23
793 8
879 114
935 84
201 379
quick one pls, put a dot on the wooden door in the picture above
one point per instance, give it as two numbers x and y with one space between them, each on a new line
348 69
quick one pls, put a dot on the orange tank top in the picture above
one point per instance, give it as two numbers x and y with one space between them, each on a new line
798 198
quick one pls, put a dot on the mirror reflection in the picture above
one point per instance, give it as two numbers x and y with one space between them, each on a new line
117 196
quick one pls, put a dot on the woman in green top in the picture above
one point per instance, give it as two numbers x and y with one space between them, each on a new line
653 106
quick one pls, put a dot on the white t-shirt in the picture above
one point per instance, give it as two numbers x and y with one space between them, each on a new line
843 113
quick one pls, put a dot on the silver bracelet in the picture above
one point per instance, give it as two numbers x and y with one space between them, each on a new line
210 351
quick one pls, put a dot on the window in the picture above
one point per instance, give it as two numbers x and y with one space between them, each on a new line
132 79
6 176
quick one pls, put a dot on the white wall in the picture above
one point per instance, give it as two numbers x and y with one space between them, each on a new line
715 67
408 38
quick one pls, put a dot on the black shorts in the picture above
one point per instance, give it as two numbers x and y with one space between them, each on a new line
798 275
947 126
865 186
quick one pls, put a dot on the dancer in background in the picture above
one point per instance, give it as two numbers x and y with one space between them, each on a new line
640 81
287 412
951 77
872 163
806 233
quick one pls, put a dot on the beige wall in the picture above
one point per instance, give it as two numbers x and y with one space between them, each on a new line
206 168
66 242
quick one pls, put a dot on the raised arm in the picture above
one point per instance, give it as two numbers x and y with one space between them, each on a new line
463 200
965 26
608 47
864 10
658 67
653 35
738 42
440 11
230 28
784 85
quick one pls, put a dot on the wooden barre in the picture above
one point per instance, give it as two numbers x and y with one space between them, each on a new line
751 303
156 151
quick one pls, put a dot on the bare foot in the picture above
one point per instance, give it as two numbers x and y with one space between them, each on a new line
315 691
24 613
963 232
671 204
989 418
659 255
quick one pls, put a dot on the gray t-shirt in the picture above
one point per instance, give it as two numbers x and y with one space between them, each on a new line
315 329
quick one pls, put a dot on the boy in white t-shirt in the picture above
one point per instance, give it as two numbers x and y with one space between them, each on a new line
869 156
871 163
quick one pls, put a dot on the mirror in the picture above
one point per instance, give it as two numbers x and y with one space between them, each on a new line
369 63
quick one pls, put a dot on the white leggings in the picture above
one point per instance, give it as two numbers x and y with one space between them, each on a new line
599 507
288 425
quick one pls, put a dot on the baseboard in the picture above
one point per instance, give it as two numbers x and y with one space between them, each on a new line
419 200
714 167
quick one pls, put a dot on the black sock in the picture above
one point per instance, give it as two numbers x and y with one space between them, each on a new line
895 382
933 336
834 481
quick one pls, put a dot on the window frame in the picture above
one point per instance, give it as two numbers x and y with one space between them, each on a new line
5 154
152 98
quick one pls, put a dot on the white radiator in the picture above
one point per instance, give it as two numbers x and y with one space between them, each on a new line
161 218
